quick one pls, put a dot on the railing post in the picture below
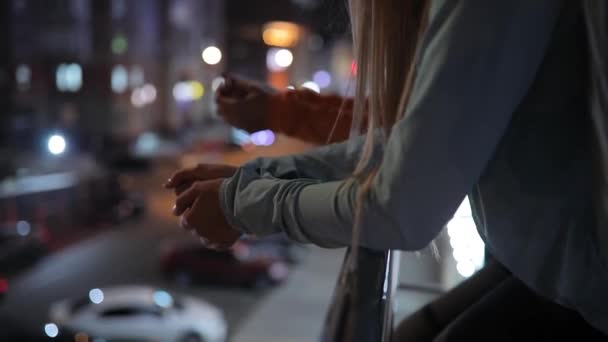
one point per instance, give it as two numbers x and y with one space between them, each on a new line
362 306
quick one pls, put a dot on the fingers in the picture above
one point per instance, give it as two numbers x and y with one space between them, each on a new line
224 99
236 87
180 177
183 222
179 189
186 200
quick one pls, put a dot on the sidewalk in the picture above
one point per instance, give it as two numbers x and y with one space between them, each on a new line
295 312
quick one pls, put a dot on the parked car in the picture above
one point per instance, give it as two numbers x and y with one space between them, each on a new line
21 245
13 329
191 262
277 246
114 202
3 287
137 313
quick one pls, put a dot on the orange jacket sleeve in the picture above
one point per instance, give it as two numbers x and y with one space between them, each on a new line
311 117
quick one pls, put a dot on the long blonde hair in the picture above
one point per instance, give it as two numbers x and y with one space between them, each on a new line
386 35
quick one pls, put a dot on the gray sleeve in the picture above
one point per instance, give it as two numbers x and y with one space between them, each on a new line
478 60
327 163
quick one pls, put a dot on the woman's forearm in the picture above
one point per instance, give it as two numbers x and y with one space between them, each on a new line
311 117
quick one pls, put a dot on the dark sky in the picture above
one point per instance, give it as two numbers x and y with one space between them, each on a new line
329 17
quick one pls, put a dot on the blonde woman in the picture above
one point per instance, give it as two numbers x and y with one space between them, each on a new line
473 97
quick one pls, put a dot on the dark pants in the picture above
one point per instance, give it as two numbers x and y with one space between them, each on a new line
493 305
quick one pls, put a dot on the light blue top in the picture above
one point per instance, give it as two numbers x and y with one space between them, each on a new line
480 69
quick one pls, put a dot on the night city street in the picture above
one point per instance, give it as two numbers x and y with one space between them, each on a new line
129 254
103 100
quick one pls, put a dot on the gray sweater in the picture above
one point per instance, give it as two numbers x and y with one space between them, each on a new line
498 112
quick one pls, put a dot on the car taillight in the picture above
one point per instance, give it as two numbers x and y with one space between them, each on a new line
241 251
278 271
3 285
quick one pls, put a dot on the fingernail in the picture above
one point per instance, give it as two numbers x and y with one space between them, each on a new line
174 210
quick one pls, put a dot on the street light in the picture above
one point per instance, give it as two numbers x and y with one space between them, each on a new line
212 55
283 58
56 144
279 59
281 34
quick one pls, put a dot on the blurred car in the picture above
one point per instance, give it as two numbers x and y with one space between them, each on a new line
277 246
13 329
71 190
120 152
192 262
137 313
21 245
111 200
3 287
205 152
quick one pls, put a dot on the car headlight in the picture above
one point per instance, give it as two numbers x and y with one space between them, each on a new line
51 330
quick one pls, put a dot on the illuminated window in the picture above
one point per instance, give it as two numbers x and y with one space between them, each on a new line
120 79
136 76
120 44
68 77
23 76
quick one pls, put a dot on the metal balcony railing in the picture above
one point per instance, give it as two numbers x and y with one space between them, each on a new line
361 306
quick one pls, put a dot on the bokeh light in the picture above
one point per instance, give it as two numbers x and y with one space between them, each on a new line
468 249
23 76
322 78
120 79
136 76
163 299
263 138
120 44
278 59
281 34
312 86
188 91
212 55
68 77
283 58
56 144
23 228
96 296
144 95
51 330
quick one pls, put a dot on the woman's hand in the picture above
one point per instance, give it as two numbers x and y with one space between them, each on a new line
183 179
200 210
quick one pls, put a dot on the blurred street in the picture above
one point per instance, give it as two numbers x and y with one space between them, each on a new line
129 254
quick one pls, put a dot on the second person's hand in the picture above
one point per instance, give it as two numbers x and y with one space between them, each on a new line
181 180
244 104
201 213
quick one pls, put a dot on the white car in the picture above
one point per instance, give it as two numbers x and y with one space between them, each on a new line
137 313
